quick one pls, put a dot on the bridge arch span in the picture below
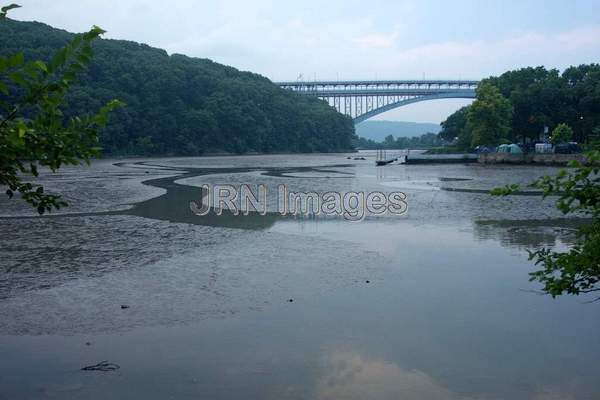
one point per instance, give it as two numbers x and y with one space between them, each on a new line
364 99
405 102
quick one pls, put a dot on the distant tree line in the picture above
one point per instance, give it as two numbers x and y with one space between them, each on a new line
177 105
425 141
517 106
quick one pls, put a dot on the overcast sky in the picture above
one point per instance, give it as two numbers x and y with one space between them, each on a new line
350 39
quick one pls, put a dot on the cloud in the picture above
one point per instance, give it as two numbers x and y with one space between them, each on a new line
376 40
354 50
481 58
331 41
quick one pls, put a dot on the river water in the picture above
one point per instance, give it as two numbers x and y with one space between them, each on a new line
432 304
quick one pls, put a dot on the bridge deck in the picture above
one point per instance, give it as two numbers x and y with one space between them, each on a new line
385 92
379 82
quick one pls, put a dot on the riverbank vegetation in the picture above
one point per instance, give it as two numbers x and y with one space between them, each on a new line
577 270
519 106
178 105
33 130
425 141
522 105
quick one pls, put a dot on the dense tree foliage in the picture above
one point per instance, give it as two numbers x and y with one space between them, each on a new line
425 141
543 98
182 105
489 117
561 134
453 127
33 129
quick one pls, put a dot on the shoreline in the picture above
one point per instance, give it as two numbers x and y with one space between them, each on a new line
223 154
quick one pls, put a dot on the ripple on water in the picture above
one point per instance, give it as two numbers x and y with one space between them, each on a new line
168 273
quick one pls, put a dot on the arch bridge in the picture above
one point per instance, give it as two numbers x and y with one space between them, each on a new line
362 100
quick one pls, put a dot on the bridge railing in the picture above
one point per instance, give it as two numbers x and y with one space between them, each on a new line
379 82
384 92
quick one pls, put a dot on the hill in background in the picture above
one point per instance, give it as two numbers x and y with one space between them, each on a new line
378 130
177 105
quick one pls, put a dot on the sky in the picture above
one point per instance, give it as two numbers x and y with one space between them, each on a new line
330 40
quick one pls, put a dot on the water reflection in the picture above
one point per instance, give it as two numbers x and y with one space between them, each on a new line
348 375
352 376
529 234
174 207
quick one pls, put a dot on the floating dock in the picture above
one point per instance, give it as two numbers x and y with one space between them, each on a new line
441 159
408 157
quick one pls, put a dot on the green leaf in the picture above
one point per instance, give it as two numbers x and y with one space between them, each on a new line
21 129
16 60
18 78
41 66
101 118
4 10
9 7
59 58
505 191
93 33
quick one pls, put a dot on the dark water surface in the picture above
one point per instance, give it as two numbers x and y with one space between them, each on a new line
434 304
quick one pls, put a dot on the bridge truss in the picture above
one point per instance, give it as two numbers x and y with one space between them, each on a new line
362 100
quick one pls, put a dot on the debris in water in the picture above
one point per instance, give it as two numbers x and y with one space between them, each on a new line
367 281
291 300
124 307
103 366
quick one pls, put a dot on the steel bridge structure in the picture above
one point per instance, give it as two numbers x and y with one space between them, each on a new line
362 100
